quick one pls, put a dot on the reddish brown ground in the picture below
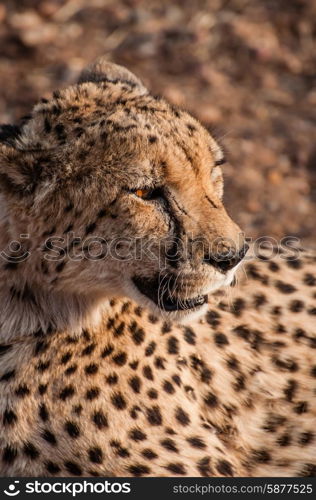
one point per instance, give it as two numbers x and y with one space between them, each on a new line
243 67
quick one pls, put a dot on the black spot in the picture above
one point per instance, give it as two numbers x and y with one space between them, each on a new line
206 375
101 213
287 365
220 339
112 379
160 363
168 387
43 412
67 393
204 467
148 373
65 358
138 336
309 279
135 384
309 470
189 335
261 456
150 349
99 419
30 451
88 350
7 376
166 327
259 299
154 416
169 445
138 470
77 409
296 306
92 393
22 391
137 435
152 139
239 384
152 319
120 359
96 455
51 467
107 351
71 370
118 401
4 349
73 468
273 266
196 442
90 228
211 400
284 440
9 417
60 266
91 369
9 454
224 468
182 417
149 454
301 407
286 288
290 390
72 428
43 366
173 345
176 468
233 363
134 365
49 437
294 264
238 306
306 438
42 388
152 394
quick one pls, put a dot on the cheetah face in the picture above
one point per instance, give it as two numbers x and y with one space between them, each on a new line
127 189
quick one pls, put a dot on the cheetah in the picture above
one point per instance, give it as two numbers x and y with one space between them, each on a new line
125 349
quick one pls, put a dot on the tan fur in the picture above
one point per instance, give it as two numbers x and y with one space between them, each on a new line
95 384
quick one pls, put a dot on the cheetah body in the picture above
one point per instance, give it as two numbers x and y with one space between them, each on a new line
123 391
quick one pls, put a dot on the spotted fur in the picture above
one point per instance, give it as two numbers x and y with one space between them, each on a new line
96 384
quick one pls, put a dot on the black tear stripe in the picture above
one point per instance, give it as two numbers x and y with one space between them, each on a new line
178 231
181 209
211 202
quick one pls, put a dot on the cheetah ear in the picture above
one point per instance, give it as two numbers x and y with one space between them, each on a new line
19 169
102 70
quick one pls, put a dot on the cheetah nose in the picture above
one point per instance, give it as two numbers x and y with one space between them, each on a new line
224 264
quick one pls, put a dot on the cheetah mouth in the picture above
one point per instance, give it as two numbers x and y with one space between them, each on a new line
164 300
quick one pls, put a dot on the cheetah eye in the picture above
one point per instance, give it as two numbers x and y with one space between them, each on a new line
219 162
148 193
145 194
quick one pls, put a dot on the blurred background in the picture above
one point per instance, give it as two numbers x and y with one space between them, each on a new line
245 68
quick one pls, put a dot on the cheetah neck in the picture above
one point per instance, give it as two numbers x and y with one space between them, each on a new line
26 307
29 310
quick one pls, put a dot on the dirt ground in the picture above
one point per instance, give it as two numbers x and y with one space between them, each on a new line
245 68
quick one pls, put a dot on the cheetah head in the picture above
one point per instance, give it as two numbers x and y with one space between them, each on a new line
113 192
